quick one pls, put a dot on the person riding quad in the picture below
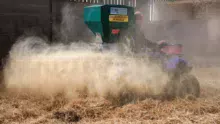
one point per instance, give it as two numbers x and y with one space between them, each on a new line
139 42
140 38
160 51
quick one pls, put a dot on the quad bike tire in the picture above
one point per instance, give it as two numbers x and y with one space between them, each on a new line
186 85
189 85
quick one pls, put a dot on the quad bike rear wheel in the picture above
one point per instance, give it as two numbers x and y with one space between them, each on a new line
186 85
189 85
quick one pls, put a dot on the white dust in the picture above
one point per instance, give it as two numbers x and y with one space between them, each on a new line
78 69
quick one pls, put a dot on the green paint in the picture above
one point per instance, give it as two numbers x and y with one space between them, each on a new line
96 17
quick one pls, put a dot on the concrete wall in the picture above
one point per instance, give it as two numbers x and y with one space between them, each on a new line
211 12
172 12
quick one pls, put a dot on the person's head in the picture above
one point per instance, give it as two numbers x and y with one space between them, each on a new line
138 17
162 44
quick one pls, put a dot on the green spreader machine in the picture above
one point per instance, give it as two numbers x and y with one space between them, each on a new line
109 21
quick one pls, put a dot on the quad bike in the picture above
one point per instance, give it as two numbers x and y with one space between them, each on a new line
115 22
182 83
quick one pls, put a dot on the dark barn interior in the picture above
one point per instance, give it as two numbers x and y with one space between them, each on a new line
18 16
25 17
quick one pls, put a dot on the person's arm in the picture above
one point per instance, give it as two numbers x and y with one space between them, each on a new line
149 43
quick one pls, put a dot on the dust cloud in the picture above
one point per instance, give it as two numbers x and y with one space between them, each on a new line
77 70
71 27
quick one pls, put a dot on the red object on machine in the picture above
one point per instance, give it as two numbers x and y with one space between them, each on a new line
172 49
115 31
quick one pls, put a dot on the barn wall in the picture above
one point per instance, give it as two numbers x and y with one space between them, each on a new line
172 12
211 12
18 16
